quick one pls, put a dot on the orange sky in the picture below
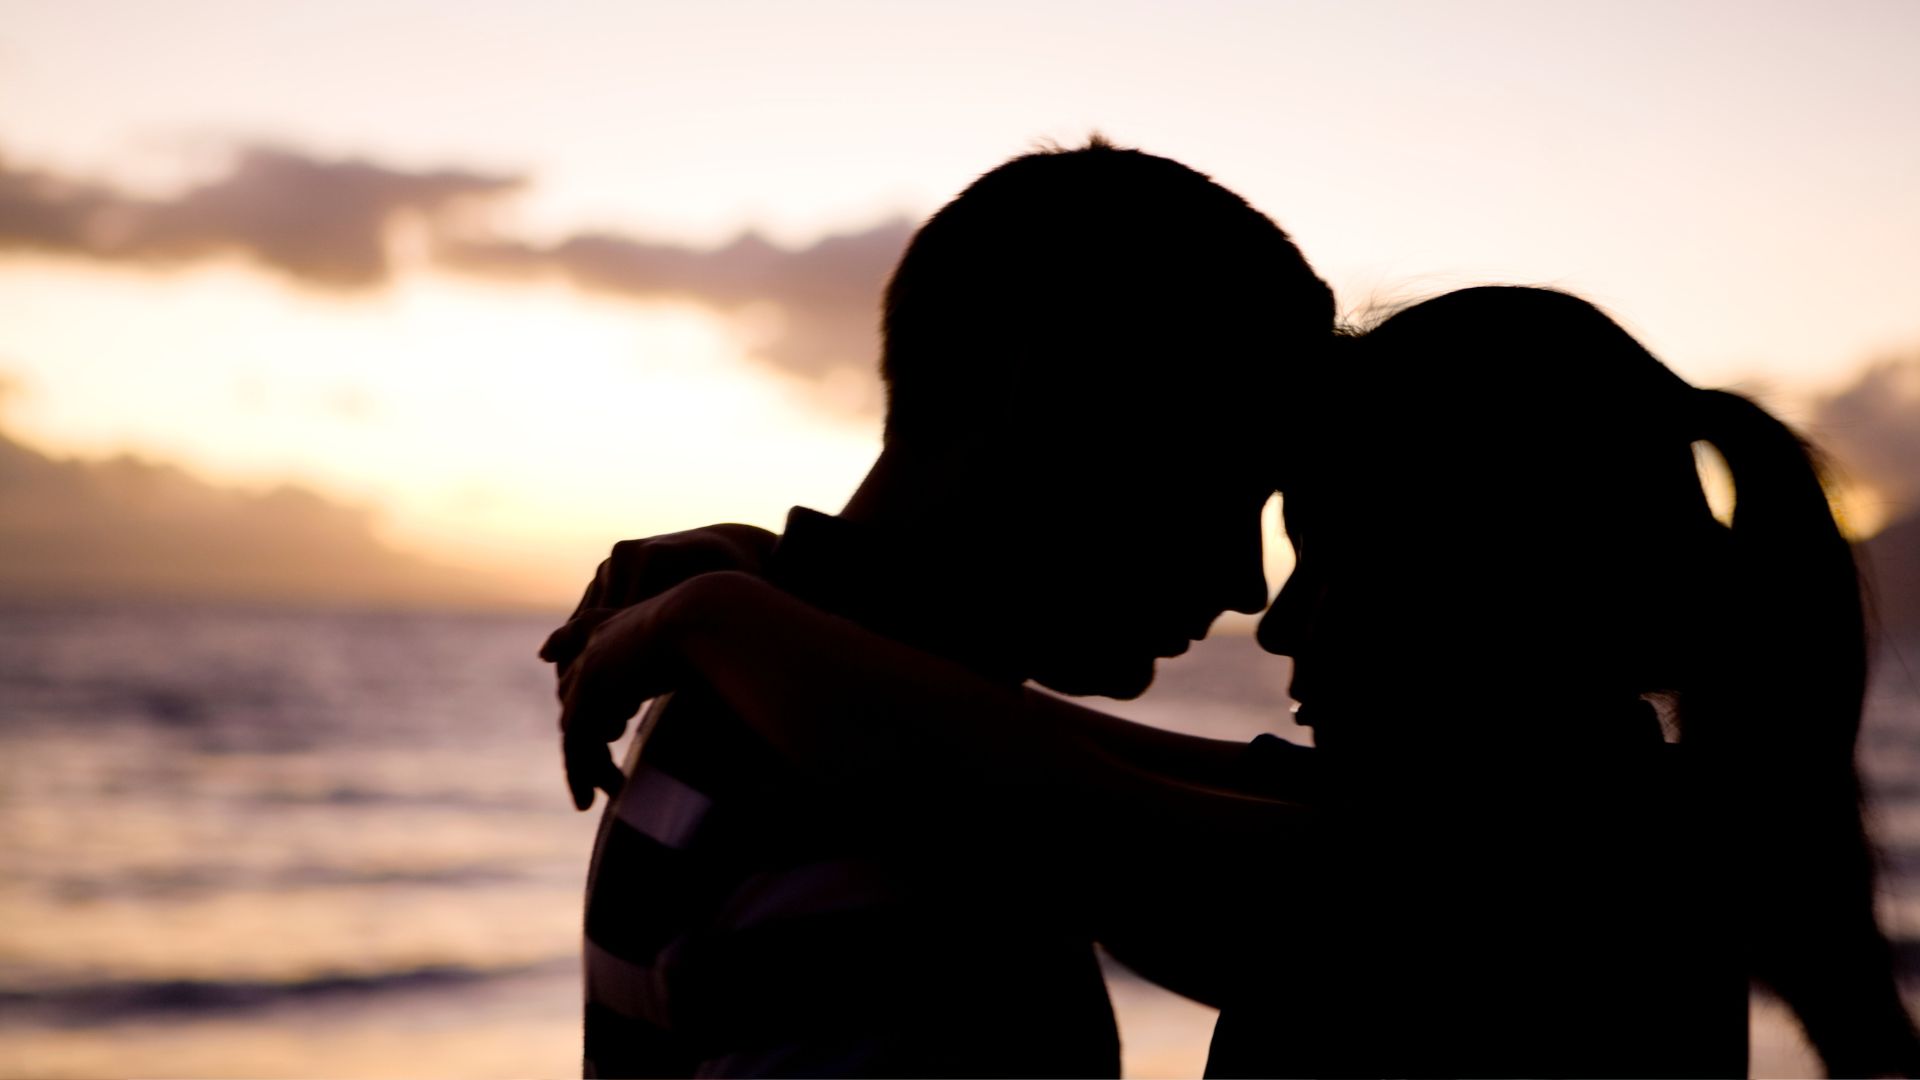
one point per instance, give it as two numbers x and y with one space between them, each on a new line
1732 179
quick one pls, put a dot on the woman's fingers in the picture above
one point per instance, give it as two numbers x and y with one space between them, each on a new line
616 667
589 765
600 653
621 579
576 758
601 690
565 645
612 661
638 570
585 750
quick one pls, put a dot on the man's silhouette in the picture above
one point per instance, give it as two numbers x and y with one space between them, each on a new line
1078 351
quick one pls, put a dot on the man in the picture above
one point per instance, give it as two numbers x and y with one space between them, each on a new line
1078 351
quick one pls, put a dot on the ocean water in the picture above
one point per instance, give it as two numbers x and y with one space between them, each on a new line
239 842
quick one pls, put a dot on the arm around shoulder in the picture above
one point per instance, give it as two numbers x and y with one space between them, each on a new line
1144 836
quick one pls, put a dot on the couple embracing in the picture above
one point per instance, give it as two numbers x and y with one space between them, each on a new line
1583 755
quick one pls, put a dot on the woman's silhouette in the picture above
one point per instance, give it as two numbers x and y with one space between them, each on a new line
1515 526
1584 758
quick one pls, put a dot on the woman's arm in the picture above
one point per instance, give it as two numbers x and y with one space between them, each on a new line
1145 834
851 706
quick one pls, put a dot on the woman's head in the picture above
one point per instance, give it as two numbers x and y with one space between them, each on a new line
1507 497
1505 526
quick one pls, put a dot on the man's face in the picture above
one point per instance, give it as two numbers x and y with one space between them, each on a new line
1134 550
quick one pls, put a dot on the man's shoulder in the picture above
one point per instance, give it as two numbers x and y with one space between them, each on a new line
695 737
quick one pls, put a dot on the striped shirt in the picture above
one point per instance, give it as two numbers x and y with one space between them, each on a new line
743 921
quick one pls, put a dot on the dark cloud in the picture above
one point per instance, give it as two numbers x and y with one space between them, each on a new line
1873 429
323 222
1891 561
127 528
811 311
823 300
45 212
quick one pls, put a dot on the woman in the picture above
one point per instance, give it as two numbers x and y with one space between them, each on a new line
1584 755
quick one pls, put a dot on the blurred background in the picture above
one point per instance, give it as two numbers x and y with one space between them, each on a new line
338 342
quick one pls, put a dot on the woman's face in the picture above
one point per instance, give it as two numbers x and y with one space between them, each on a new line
1384 602
1296 625
1345 607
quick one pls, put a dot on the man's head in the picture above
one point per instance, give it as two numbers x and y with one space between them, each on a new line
1078 352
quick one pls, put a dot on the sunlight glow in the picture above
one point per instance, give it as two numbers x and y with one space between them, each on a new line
491 424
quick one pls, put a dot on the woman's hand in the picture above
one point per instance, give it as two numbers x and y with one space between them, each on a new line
627 656
638 570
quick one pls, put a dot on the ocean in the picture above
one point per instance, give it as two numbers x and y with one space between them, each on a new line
262 842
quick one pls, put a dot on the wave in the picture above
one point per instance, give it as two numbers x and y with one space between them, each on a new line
204 881
109 1002
347 795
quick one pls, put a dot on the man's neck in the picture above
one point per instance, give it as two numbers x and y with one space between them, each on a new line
889 562
903 496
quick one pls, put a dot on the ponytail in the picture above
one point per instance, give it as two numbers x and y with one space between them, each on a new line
1774 718
1802 636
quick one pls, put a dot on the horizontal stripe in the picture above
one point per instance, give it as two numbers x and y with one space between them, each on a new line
644 894
635 991
624 1046
822 977
661 806
813 889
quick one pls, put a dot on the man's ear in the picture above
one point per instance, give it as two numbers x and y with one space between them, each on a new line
983 474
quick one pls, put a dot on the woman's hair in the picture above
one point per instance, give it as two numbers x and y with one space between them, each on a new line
1550 459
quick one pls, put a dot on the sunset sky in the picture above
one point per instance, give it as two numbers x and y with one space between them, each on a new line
477 269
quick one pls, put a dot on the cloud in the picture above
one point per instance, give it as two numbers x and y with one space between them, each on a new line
823 299
1892 565
1873 429
322 222
125 528
325 223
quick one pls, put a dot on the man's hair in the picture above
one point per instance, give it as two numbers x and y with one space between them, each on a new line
1047 279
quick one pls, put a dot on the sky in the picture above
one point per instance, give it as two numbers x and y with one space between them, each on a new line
492 285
